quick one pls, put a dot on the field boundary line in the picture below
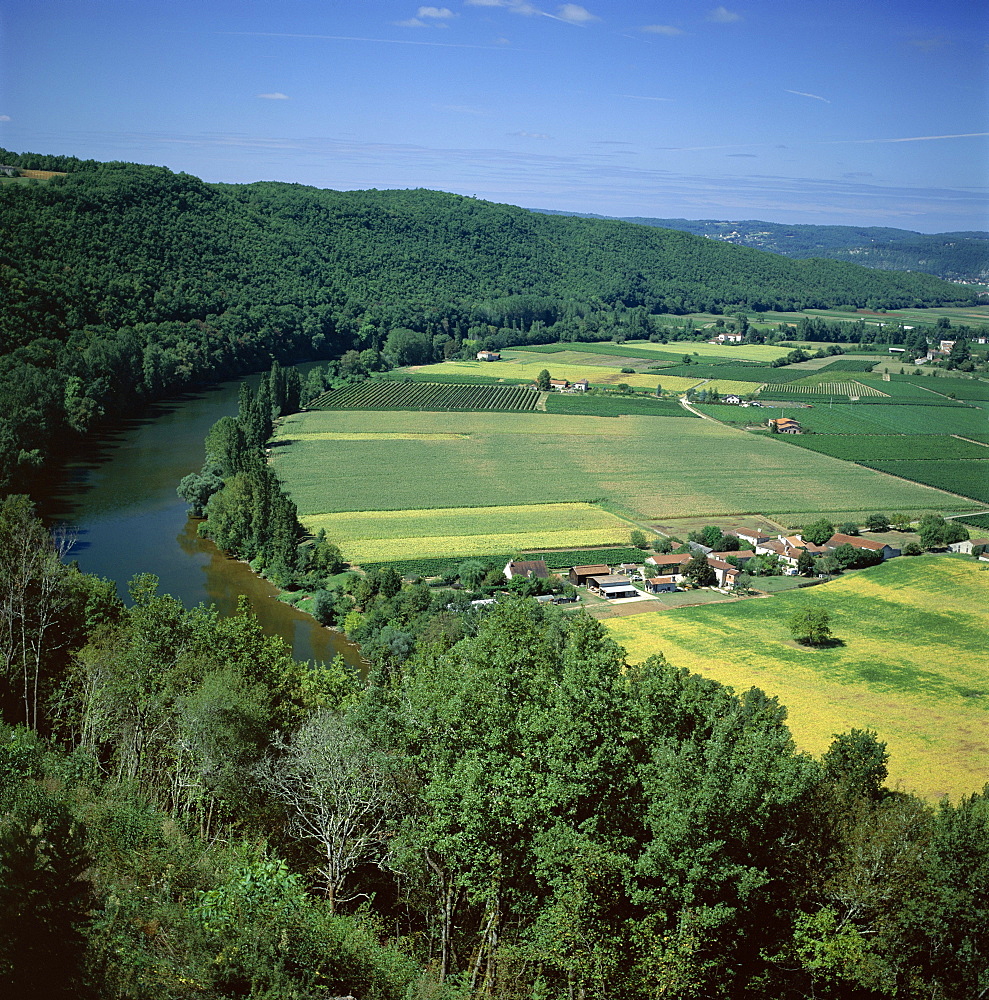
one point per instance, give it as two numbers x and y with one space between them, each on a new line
970 441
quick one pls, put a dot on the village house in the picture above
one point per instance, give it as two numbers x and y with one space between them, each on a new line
670 564
488 356
579 575
785 425
888 552
559 384
662 584
529 569
613 586
732 399
969 545
581 385
742 556
749 536
728 338
726 574
788 554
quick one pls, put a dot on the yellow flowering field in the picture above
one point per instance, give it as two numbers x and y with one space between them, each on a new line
380 535
910 663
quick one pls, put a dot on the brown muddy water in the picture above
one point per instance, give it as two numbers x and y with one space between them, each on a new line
117 495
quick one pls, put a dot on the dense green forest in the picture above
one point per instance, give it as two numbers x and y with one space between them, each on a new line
123 282
962 256
503 807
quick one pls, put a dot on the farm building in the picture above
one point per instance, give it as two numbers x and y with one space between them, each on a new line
528 569
969 545
728 338
751 537
559 384
488 356
785 425
613 587
725 573
580 385
732 399
579 575
661 584
743 557
887 551
669 564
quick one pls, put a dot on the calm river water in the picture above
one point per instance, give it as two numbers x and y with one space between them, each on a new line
118 494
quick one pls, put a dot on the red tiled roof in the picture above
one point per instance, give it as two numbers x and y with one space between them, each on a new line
859 543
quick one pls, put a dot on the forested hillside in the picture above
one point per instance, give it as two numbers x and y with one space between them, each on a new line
121 282
960 256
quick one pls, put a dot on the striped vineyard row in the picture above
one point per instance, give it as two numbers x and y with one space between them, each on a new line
832 389
383 395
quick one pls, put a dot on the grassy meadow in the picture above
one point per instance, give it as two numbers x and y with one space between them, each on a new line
911 663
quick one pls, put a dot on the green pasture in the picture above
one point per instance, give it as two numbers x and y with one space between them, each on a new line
968 477
650 467
910 663
869 448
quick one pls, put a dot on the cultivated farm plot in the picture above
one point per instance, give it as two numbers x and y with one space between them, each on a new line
738 352
872 448
830 388
385 395
380 535
967 477
650 467
528 366
911 664
726 387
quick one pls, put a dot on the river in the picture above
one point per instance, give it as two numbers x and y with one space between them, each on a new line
117 493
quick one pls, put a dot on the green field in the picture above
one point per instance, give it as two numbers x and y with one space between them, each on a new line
870 448
341 462
592 405
970 478
911 664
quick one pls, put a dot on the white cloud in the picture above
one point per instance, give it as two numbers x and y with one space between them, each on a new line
722 15
515 6
801 93
275 96
412 22
640 97
529 135
661 29
573 13
441 13
4 118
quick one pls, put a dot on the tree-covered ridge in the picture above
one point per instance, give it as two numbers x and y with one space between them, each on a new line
123 282
961 256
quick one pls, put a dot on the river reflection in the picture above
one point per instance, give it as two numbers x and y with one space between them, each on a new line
117 495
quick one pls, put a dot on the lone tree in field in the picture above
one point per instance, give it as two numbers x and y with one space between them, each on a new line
638 540
811 626
542 380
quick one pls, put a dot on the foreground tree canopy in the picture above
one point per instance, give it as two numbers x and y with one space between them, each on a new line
503 807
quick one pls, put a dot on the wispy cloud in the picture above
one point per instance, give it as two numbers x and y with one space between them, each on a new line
573 13
661 29
801 93
929 44
360 38
276 96
641 97
722 15
744 156
528 135
427 17
913 138
4 118
570 13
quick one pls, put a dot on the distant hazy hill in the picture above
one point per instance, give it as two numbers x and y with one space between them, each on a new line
953 256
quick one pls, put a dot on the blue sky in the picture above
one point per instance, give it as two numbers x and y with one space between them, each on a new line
846 112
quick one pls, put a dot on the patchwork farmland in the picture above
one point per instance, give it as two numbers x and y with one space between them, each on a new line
386 395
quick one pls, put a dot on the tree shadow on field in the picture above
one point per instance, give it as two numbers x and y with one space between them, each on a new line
832 643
